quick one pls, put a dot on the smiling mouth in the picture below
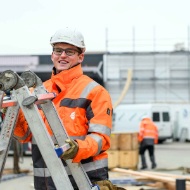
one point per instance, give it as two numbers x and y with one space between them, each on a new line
63 62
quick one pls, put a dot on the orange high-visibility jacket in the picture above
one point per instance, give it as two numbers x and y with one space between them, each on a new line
148 130
85 109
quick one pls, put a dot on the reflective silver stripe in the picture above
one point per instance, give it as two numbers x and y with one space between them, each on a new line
88 88
41 172
99 129
25 136
98 139
91 166
78 137
96 165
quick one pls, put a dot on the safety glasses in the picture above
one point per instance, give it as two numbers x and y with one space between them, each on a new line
68 51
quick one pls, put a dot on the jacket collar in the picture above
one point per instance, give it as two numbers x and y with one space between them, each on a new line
66 76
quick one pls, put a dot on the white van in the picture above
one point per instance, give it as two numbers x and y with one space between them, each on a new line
127 118
180 117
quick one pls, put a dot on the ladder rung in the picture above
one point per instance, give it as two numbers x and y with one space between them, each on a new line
9 103
40 97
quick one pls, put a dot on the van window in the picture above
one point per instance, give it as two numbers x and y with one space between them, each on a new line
156 116
166 116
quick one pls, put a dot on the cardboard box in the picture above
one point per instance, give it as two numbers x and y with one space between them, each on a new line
128 141
129 159
113 158
114 138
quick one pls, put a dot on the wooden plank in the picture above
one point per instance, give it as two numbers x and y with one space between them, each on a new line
169 175
168 182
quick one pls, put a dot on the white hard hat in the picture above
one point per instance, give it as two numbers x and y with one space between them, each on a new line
69 35
144 117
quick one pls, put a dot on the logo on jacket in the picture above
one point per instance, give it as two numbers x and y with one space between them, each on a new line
72 116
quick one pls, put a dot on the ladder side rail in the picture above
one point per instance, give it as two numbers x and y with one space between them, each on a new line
1 97
43 140
7 133
82 180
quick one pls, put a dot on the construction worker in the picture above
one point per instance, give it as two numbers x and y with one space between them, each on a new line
85 109
148 136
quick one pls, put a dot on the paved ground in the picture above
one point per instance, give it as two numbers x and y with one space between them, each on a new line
169 157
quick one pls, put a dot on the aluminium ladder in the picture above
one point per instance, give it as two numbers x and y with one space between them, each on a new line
27 103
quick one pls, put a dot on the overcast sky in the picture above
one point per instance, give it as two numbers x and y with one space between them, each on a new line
27 25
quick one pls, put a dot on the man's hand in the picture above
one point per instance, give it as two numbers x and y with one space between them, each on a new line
70 153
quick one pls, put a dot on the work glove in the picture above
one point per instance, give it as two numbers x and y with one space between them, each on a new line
71 152
107 185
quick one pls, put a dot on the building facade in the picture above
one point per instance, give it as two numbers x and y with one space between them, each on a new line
156 77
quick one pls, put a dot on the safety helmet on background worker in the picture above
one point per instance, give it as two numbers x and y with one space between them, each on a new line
145 117
69 35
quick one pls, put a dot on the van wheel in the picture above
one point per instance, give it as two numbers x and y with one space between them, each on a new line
160 141
183 135
176 139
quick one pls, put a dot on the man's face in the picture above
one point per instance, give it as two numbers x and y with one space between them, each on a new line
64 60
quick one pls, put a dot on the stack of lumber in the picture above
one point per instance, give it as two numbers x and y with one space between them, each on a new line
159 180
